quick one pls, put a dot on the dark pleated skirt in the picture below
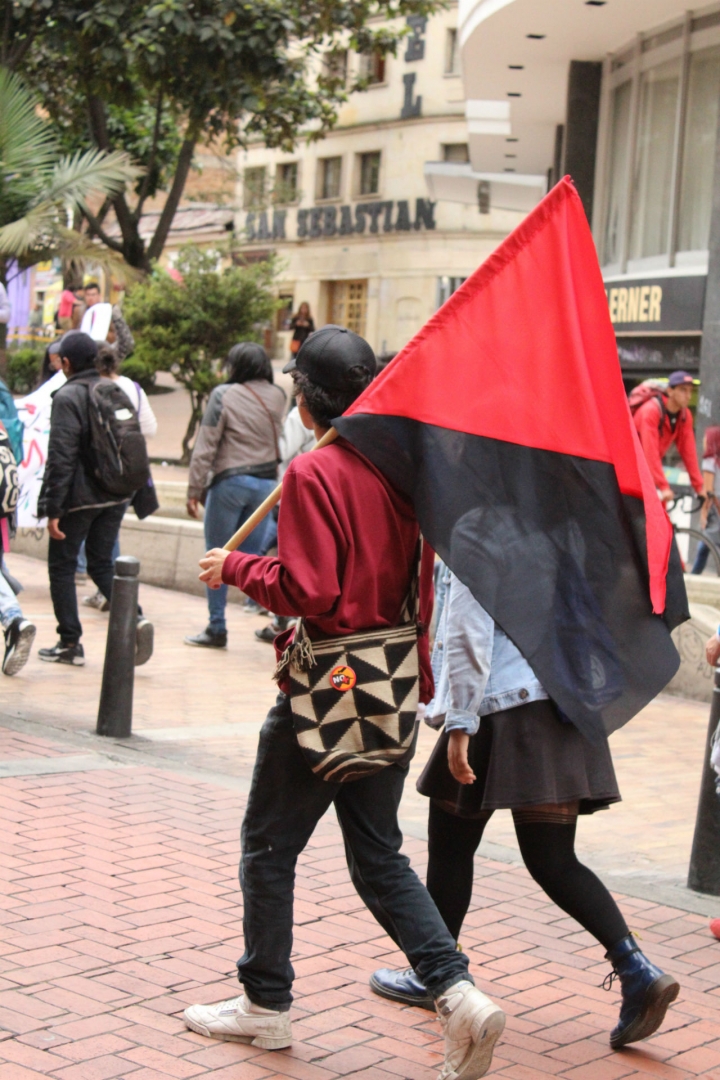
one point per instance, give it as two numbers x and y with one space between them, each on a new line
524 757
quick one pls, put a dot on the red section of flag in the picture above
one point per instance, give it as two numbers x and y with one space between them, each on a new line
525 352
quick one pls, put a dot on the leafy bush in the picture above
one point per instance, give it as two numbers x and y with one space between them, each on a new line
140 371
23 368
187 326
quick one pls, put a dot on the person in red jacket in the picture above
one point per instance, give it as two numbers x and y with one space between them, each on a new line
347 552
664 420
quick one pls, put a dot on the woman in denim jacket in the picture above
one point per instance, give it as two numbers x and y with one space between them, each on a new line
505 745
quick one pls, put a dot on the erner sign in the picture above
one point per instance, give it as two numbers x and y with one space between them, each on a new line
327 221
665 304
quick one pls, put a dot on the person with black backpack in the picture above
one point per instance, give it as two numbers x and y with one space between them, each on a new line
97 460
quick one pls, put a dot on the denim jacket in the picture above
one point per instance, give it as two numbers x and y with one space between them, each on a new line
481 671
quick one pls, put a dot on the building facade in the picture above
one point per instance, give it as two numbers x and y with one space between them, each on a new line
623 95
359 235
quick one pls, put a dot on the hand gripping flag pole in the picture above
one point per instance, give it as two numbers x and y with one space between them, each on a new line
270 503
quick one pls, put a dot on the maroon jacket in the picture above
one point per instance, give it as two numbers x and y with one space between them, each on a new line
346 548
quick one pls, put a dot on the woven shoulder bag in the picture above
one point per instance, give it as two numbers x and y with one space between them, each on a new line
354 698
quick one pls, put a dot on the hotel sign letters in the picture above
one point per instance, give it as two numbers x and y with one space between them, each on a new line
666 304
384 215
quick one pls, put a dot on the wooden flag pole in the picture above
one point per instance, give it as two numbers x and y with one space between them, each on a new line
272 500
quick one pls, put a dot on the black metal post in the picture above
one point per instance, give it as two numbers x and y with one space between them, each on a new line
704 875
116 696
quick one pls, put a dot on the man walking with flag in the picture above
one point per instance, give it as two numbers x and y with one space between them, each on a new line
347 561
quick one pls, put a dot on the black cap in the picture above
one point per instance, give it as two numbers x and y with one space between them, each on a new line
79 349
328 354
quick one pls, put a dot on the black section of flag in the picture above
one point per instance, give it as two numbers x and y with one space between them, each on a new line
551 549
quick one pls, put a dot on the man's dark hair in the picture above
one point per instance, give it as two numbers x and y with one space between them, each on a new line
248 361
326 405
91 285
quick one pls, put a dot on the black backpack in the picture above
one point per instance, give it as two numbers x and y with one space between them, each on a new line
121 464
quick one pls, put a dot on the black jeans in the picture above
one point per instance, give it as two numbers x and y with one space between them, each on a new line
285 804
98 528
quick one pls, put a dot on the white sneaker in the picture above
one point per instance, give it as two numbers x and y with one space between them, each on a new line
472 1024
238 1020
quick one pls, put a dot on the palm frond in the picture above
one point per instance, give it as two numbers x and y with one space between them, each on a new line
27 143
19 236
94 172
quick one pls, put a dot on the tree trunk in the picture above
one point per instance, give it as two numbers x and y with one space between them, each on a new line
198 406
187 150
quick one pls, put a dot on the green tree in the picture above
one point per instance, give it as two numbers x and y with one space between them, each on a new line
160 76
187 327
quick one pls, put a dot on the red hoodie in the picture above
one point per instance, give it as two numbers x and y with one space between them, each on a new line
346 548
656 437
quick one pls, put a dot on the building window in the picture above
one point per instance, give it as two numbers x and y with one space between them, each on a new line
335 65
457 152
446 286
348 305
653 171
617 188
699 150
369 177
254 183
372 68
286 182
329 177
452 53
661 131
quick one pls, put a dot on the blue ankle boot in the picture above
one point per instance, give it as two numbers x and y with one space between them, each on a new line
401 986
646 993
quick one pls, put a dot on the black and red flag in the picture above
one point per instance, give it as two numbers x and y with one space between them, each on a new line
505 421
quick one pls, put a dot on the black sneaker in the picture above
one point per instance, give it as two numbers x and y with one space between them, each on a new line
63 654
144 641
278 626
19 637
209 639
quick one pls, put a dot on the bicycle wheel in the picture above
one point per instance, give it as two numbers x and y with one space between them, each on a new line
697 535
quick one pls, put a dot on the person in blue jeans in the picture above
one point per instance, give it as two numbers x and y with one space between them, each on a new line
234 465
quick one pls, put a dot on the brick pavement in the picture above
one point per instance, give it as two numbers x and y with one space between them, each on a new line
120 907
194 706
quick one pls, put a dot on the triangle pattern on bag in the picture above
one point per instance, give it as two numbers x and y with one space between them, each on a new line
407 722
331 734
324 664
377 737
401 687
396 652
331 705
366 672
371 704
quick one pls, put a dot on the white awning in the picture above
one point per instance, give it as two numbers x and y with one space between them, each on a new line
515 60
456 182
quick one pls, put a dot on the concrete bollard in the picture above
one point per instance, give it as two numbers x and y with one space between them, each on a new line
116 696
704 874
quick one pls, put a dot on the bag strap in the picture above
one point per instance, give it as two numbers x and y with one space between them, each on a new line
270 417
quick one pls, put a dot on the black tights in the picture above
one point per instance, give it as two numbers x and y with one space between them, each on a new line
547 845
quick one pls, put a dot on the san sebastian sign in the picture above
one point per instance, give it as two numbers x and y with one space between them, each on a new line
383 215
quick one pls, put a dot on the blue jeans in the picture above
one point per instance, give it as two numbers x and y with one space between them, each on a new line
229 503
9 607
